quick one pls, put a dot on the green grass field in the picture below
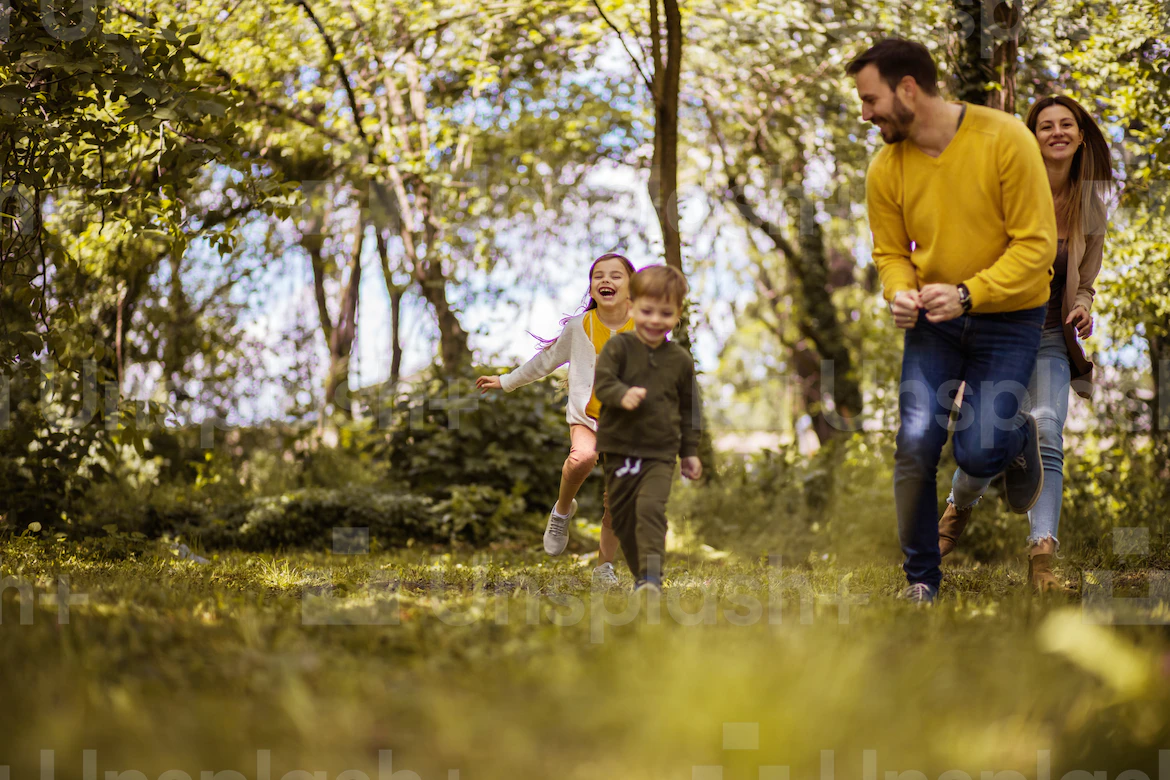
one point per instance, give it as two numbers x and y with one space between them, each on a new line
504 665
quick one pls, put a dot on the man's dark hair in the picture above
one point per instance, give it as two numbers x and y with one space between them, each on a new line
897 58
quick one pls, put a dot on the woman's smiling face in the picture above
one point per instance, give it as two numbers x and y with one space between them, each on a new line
610 283
1058 133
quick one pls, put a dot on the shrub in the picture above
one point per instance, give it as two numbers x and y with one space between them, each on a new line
307 518
447 435
838 503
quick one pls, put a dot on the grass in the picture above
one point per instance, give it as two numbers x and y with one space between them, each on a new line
503 665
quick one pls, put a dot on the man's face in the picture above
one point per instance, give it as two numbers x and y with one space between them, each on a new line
881 106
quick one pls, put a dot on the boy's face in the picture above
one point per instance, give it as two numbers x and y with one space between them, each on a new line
653 319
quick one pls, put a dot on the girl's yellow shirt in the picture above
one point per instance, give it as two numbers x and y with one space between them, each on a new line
599 334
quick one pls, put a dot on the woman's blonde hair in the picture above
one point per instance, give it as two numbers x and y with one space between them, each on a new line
1090 180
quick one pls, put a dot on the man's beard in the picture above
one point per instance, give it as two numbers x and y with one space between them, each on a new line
897 128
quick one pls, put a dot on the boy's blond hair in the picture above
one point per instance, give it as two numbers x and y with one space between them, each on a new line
660 281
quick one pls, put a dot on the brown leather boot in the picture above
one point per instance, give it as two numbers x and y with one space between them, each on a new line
1040 576
950 528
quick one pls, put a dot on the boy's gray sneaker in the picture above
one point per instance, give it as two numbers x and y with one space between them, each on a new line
556 533
1024 476
920 594
184 553
605 577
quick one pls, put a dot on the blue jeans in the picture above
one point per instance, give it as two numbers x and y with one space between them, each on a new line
1048 401
994 354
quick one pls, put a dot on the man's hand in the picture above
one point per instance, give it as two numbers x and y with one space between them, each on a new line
905 309
485 383
1080 319
692 467
941 302
633 398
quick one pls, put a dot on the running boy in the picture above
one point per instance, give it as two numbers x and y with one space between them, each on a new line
650 414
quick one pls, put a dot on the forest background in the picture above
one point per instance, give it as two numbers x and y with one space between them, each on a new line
252 252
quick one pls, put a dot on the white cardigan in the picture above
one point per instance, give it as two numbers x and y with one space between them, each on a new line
572 347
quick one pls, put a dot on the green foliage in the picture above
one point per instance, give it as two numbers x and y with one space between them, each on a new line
150 164
106 122
419 472
775 503
480 514
307 519
1123 483
448 435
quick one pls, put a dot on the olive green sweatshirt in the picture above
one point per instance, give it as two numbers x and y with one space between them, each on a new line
667 422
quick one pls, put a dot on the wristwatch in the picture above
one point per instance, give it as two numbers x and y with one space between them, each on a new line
964 298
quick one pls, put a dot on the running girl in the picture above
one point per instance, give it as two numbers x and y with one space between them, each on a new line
607 311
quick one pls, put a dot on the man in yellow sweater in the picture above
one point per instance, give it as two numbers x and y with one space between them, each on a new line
964 235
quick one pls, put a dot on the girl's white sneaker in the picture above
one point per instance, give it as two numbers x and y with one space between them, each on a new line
556 533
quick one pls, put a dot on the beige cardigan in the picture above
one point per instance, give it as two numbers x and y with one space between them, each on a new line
1084 263
574 347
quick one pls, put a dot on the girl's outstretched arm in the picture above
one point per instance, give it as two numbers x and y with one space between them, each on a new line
541 365
485 383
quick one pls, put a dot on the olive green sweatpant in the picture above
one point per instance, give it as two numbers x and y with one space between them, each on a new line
638 490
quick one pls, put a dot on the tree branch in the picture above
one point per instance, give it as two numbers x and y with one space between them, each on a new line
622 39
343 75
656 52
734 195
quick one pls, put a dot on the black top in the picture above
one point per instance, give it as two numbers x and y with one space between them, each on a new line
1054 318
667 422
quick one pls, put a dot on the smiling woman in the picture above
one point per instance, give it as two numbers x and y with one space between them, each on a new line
1076 157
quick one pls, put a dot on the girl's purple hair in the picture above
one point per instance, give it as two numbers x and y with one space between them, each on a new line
588 303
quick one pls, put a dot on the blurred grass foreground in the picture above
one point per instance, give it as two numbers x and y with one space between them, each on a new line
502 664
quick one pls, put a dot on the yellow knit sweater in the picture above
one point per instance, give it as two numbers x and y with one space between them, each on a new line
981 213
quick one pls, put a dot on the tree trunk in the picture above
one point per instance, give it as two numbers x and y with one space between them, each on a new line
173 357
395 338
395 291
663 183
817 322
453 348
428 271
664 166
824 326
807 364
986 52
1160 404
339 335
344 332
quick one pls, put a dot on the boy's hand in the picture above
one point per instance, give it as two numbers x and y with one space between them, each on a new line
485 383
692 467
633 398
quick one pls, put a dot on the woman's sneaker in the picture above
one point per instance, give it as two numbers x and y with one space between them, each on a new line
604 577
556 533
1024 476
